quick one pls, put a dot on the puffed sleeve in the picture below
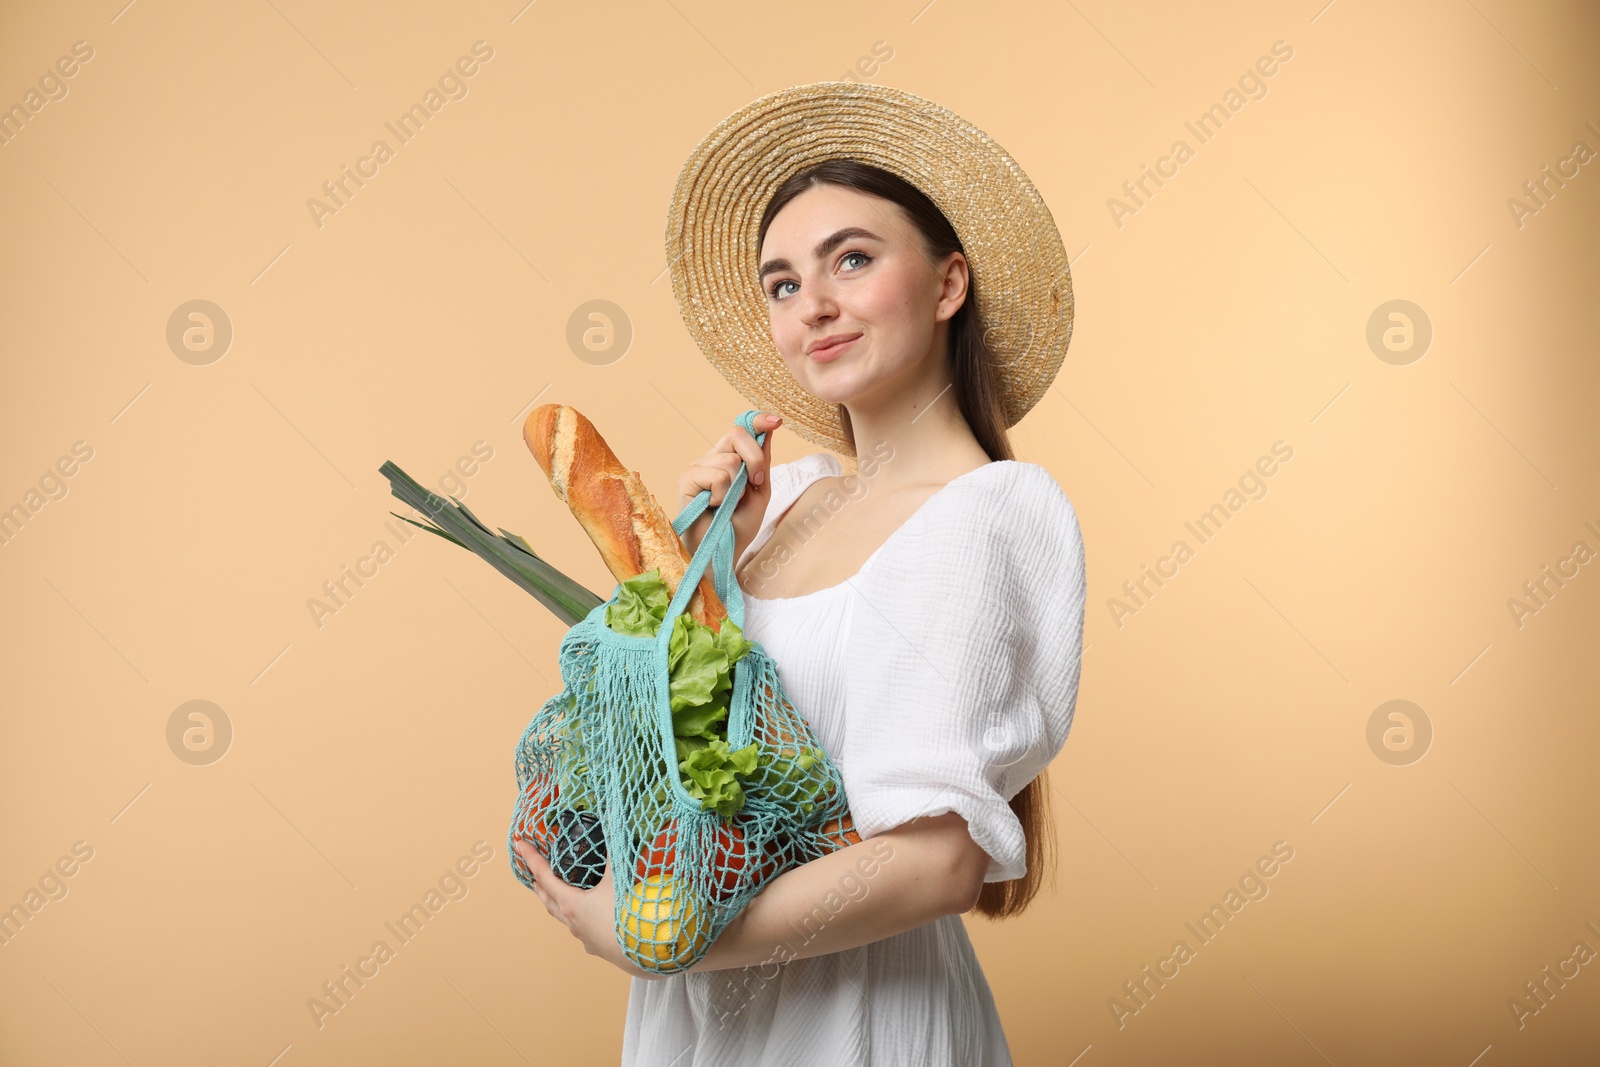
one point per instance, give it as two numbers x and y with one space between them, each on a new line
963 656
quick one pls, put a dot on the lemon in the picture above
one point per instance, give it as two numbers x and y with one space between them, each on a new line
660 923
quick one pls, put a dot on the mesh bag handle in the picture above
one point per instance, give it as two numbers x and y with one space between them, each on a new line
716 548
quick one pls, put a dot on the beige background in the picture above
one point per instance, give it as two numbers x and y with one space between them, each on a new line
1228 312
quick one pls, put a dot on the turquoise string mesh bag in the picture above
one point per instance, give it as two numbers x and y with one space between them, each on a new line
627 765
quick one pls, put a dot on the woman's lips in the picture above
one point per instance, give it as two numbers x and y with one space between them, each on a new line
832 352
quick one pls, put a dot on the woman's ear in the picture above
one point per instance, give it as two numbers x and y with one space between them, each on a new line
953 281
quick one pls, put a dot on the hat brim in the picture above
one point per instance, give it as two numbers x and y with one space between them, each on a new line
1013 248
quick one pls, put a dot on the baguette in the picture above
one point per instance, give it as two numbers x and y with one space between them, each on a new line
614 507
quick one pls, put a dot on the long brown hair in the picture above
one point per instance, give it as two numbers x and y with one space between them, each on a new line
976 385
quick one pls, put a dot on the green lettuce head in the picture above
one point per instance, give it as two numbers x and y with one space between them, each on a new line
700 687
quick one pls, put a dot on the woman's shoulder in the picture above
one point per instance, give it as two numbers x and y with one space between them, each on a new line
1006 517
1024 476
790 479
814 464
997 477
1014 505
1015 496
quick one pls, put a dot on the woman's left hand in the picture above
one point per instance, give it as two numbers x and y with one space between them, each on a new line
586 913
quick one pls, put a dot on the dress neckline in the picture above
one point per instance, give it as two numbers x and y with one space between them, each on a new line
817 594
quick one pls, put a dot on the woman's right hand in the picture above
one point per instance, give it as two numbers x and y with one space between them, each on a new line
716 470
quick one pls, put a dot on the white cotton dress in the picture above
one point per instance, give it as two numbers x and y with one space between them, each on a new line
941 677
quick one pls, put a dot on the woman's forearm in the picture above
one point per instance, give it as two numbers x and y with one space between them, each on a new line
862 893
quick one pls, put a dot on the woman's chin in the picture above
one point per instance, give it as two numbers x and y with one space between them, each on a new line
831 394
831 383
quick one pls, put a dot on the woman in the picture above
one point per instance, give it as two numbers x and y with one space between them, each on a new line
925 610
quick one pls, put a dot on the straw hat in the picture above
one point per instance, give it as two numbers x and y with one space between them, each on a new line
1014 251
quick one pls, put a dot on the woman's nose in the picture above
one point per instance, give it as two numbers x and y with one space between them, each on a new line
816 304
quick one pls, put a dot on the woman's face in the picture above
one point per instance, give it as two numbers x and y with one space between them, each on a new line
841 263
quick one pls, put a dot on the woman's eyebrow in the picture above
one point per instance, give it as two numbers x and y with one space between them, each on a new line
824 246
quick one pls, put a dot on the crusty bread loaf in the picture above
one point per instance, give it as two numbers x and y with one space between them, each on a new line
612 504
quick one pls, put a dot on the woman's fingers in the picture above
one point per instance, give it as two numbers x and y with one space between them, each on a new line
543 877
766 423
744 449
716 473
739 445
717 468
756 456
766 449
535 862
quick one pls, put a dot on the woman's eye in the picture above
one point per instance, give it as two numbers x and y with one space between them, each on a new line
773 290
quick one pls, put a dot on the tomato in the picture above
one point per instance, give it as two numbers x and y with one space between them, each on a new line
534 821
729 857
834 835
662 854
771 860
840 833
